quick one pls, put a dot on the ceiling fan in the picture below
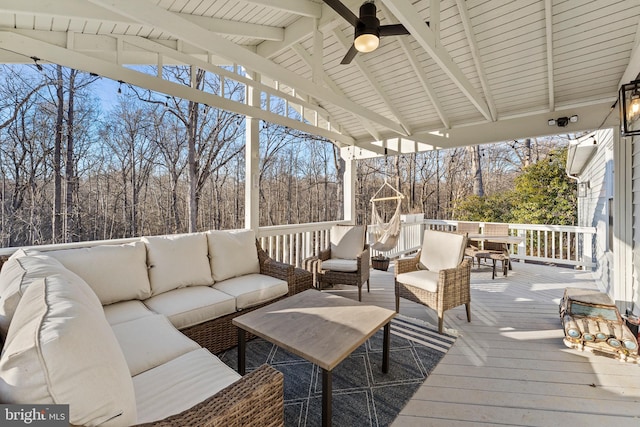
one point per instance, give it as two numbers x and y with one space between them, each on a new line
367 28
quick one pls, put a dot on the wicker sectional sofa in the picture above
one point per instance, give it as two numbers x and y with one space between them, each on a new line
127 334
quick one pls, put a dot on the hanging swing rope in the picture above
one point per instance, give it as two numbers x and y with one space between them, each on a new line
386 234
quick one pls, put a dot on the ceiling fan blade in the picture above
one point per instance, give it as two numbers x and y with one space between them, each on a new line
394 30
343 11
351 53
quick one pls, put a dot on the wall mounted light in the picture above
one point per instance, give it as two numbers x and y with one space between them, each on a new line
582 188
563 121
629 100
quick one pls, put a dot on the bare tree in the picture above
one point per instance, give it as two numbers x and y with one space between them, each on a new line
476 168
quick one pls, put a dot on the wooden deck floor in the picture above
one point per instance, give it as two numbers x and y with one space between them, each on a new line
509 366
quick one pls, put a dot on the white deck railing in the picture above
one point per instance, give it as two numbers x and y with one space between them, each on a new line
557 244
293 243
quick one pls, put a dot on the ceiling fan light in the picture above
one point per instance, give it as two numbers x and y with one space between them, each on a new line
366 43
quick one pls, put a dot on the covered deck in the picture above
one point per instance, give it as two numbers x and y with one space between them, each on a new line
480 73
509 365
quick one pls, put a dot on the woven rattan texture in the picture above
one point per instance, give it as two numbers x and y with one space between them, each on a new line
454 288
254 400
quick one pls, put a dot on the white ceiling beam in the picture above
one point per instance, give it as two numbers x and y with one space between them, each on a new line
362 67
294 33
317 69
81 9
72 59
407 14
475 54
68 9
298 7
424 81
146 12
304 55
299 31
105 47
163 51
548 18
420 74
235 28
591 116
434 19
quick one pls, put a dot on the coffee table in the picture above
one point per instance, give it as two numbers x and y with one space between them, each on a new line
319 327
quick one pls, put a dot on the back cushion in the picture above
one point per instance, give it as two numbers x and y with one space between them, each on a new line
232 253
347 241
114 272
16 276
61 350
441 250
177 261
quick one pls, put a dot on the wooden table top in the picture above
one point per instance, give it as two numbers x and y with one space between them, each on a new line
319 327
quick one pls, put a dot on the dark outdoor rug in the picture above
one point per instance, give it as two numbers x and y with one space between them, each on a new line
362 394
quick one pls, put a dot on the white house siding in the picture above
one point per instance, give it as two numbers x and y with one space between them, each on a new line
593 210
633 145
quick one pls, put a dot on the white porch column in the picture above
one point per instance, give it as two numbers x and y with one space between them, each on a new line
623 281
349 184
252 160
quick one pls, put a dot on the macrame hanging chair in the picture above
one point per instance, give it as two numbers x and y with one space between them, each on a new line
386 234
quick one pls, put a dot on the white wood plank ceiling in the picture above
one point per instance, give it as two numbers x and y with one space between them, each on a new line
482 71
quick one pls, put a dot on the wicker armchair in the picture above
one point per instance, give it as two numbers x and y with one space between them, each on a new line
438 276
345 262
473 248
497 251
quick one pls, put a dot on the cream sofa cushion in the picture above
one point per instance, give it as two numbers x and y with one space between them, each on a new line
180 384
253 289
150 341
347 241
193 305
177 261
61 350
114 272
233 253
441 250
125 311
16 276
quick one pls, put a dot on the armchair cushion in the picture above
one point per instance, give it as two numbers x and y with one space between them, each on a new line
423 279
337 264
232 253
60 349
347 241
441 250
167 256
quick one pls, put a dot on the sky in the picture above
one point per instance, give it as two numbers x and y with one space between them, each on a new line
106 90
